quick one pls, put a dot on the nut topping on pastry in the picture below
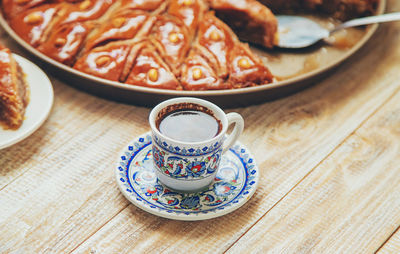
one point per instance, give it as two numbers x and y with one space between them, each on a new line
215 36
103 61
187 2
59 42
173 37
153 75
85 5
197 73
34 18
244 63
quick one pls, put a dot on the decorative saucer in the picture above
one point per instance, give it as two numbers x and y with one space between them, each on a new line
235 183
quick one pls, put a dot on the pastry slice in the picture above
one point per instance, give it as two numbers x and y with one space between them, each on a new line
122 26
149 69
65 42
33 25
86 10
13 7
196 74
250 20
145 5
172 39
14 92
339 9
190 11
246 69
107 61
218 39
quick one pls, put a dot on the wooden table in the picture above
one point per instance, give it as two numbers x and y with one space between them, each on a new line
329 160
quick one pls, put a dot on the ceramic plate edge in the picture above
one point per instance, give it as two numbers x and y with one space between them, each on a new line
49 105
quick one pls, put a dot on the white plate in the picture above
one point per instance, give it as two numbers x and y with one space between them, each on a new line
41 101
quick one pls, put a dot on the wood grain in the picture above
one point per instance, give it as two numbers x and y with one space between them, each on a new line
392 245
348 204
57 192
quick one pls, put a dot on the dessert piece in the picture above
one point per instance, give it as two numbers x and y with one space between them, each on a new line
219 40
13 7
196 74
232 60
145 5
32 25
14 91
189 11
122 26
339 9
171 38
65 42
86 10
246 69
249 19
107 61
150 70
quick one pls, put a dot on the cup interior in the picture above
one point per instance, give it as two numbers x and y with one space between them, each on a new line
187 103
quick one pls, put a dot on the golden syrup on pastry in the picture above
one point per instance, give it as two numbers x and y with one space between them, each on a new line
33 18
244 63
22 2
197 73
153 75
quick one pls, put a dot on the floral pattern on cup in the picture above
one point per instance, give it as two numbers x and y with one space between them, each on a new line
182 168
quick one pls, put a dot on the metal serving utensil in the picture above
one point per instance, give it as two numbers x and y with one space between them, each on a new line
299 32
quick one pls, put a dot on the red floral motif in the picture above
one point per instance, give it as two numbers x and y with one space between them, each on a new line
196 168
151 190
170 201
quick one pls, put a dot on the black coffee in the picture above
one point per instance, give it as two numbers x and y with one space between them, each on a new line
189 126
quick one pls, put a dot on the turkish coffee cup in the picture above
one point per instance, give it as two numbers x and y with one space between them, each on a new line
189 137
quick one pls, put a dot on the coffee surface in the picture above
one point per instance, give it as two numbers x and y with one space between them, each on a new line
189 126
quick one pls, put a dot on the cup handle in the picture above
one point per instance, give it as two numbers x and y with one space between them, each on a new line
233 118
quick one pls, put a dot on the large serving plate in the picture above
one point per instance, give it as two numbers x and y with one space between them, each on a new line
294 70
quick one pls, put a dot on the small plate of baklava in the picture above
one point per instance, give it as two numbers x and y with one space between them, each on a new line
26 98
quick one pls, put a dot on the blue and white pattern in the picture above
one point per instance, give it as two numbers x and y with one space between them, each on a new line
180 167
235 182
184 151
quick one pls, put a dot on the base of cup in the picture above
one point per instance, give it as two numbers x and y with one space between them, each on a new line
186 186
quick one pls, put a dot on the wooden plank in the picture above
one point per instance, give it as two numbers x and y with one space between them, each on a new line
68 196
392 245
348 204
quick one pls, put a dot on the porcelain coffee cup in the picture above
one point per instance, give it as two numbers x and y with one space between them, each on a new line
191 166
